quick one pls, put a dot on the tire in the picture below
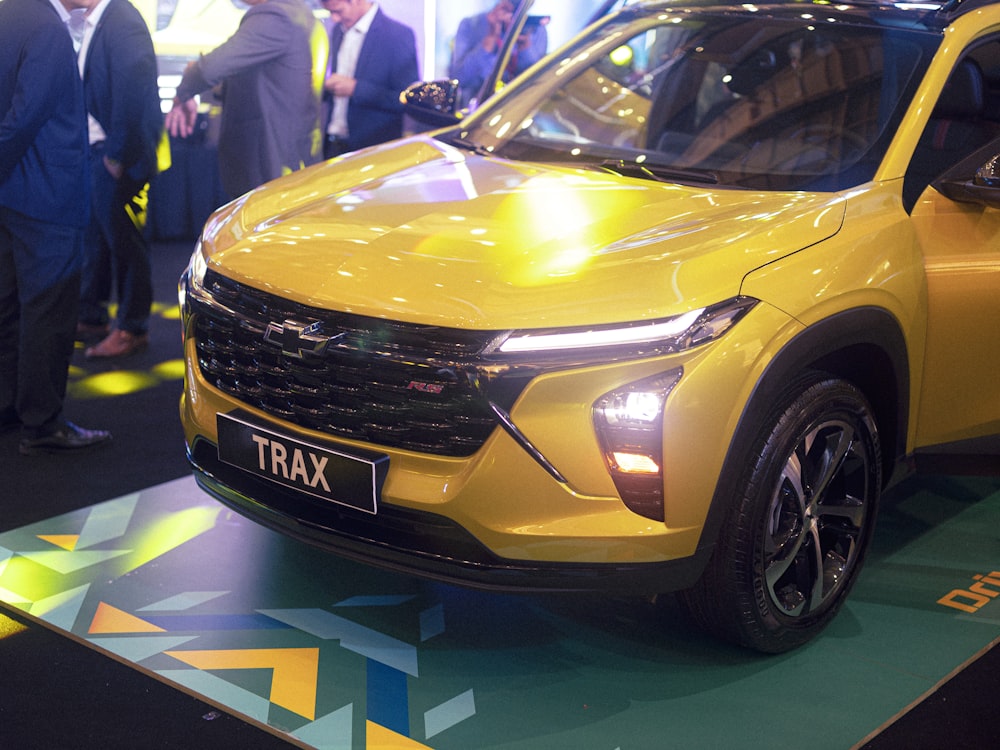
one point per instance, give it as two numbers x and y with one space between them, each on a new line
795 535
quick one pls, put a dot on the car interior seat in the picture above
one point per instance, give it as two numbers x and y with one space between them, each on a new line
957 127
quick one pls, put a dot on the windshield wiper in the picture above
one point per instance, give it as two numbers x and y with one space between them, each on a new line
467 145
659 172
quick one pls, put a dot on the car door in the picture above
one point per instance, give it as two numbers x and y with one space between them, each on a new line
960 239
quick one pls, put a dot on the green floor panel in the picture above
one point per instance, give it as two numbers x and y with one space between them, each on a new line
339 655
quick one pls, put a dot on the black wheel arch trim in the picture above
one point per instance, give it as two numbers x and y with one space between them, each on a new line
865 346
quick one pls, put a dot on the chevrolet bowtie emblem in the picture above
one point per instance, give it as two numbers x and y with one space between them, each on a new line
299 339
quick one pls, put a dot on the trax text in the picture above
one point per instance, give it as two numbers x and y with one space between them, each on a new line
273 458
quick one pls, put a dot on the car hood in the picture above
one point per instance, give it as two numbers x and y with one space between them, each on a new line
422 232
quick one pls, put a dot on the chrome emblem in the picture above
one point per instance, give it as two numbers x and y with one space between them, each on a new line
298 338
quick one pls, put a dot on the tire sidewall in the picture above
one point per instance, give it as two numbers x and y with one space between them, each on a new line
808 404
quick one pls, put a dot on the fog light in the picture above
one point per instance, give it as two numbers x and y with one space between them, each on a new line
629 423
635 463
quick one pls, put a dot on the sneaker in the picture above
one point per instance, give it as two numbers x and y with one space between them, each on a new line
118 343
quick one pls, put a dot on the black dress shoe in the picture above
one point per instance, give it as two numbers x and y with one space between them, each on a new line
69 437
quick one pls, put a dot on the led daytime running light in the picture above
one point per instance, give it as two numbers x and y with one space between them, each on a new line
604 337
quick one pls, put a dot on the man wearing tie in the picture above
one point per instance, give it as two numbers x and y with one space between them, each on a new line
372 59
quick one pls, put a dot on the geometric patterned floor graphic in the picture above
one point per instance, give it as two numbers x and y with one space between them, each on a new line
337 655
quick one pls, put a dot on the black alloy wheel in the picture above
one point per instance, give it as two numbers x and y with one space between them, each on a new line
795 537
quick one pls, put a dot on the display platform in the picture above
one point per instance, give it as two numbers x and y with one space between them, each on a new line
332 654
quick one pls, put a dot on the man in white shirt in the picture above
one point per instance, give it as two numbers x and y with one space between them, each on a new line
372 59
118 66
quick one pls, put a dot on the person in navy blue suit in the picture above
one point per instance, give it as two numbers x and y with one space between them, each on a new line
372 59
118 66
44 206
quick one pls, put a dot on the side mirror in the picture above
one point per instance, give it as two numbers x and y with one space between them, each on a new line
983 189
432 103
988 175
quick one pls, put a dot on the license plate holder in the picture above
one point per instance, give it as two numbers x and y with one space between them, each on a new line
354 479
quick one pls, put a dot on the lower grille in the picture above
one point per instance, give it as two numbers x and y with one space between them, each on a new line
419 388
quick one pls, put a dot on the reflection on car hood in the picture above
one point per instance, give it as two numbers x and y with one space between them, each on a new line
422 232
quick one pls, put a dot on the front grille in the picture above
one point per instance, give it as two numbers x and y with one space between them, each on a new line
419 388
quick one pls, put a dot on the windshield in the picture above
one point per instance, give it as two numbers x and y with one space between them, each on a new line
761 101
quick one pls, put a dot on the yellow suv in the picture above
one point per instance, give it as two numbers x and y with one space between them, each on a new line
665 314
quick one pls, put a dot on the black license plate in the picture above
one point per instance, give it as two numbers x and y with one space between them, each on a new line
354 480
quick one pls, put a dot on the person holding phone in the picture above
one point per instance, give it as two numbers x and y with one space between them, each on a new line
478 42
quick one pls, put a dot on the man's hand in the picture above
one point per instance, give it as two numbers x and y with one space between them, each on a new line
500 16
115 168
340 85
499 19
181 118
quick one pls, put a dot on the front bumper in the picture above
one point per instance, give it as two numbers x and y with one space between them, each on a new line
420 543
497 518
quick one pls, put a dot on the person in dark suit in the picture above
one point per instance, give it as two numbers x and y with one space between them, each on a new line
119 71
270 72
372 59
44 207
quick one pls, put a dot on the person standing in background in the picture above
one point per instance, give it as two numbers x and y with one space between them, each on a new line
270 71
118 66
372 59
44 208
477 45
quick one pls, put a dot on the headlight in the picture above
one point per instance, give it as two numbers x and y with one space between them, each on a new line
645 338
629 424
617 336
629 420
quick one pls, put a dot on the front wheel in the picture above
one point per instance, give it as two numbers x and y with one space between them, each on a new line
794 538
